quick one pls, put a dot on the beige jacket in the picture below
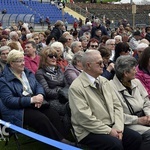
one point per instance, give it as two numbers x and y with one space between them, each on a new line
139 100
88 113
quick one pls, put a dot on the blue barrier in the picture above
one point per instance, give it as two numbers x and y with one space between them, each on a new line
39 137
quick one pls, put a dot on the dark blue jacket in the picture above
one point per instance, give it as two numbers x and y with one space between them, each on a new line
107 74
12 101
102 28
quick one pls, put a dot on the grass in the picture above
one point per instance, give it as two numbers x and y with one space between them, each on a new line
25 143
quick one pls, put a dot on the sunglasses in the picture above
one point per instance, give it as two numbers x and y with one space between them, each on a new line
94 46
52 55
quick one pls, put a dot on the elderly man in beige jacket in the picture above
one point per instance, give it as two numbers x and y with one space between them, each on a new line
97 115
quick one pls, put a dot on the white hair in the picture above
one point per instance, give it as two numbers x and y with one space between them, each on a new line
29 35
12 33
141 46
58 44
109 41
97 21
118 37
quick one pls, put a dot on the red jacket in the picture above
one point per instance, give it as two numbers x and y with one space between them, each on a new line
32 64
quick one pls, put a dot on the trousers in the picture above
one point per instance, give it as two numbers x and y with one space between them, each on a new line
146 140
46 121
131 141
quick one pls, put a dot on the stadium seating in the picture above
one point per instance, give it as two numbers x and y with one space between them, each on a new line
37 9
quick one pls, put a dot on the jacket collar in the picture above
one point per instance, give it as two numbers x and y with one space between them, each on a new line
119 85
87 82
9 76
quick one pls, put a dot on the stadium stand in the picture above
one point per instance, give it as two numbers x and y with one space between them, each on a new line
35 8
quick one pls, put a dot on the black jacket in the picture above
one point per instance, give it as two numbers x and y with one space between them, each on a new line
52 81
56 32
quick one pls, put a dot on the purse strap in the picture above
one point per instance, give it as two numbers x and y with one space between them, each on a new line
128 104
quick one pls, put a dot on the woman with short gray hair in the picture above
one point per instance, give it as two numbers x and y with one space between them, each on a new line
73 70
133 97
124 64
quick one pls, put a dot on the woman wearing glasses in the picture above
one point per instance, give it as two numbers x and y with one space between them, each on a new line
22 97
93 44
51 78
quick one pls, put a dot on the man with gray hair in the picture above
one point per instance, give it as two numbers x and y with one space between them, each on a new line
96 113
84 42
76 46
98 25
110 44
4 50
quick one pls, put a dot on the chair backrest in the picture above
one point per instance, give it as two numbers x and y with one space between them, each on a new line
68 111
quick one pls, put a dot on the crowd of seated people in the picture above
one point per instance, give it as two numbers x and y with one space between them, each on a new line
44 66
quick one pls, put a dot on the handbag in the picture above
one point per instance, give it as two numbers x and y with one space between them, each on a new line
138 113
63 95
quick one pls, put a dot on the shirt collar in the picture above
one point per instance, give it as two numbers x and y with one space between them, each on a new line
92 79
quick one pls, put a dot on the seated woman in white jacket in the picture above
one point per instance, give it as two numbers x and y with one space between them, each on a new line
133 97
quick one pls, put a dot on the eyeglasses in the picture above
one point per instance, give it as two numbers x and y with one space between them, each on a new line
52 55
140 51
69 39
99 63
19 61
94 46
36 39
112 44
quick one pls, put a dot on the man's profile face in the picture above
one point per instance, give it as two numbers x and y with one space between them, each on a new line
96 66
3 55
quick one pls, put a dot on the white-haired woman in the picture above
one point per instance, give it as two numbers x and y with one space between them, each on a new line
140 48
58 46
118 39
110 44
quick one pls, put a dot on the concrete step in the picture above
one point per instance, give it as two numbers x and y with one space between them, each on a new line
74 14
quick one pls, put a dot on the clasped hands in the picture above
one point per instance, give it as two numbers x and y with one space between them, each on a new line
145 120
37 100
116 133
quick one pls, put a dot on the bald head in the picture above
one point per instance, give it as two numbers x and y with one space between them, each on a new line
89 56
92 63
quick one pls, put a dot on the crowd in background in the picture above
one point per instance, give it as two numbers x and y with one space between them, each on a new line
53 60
